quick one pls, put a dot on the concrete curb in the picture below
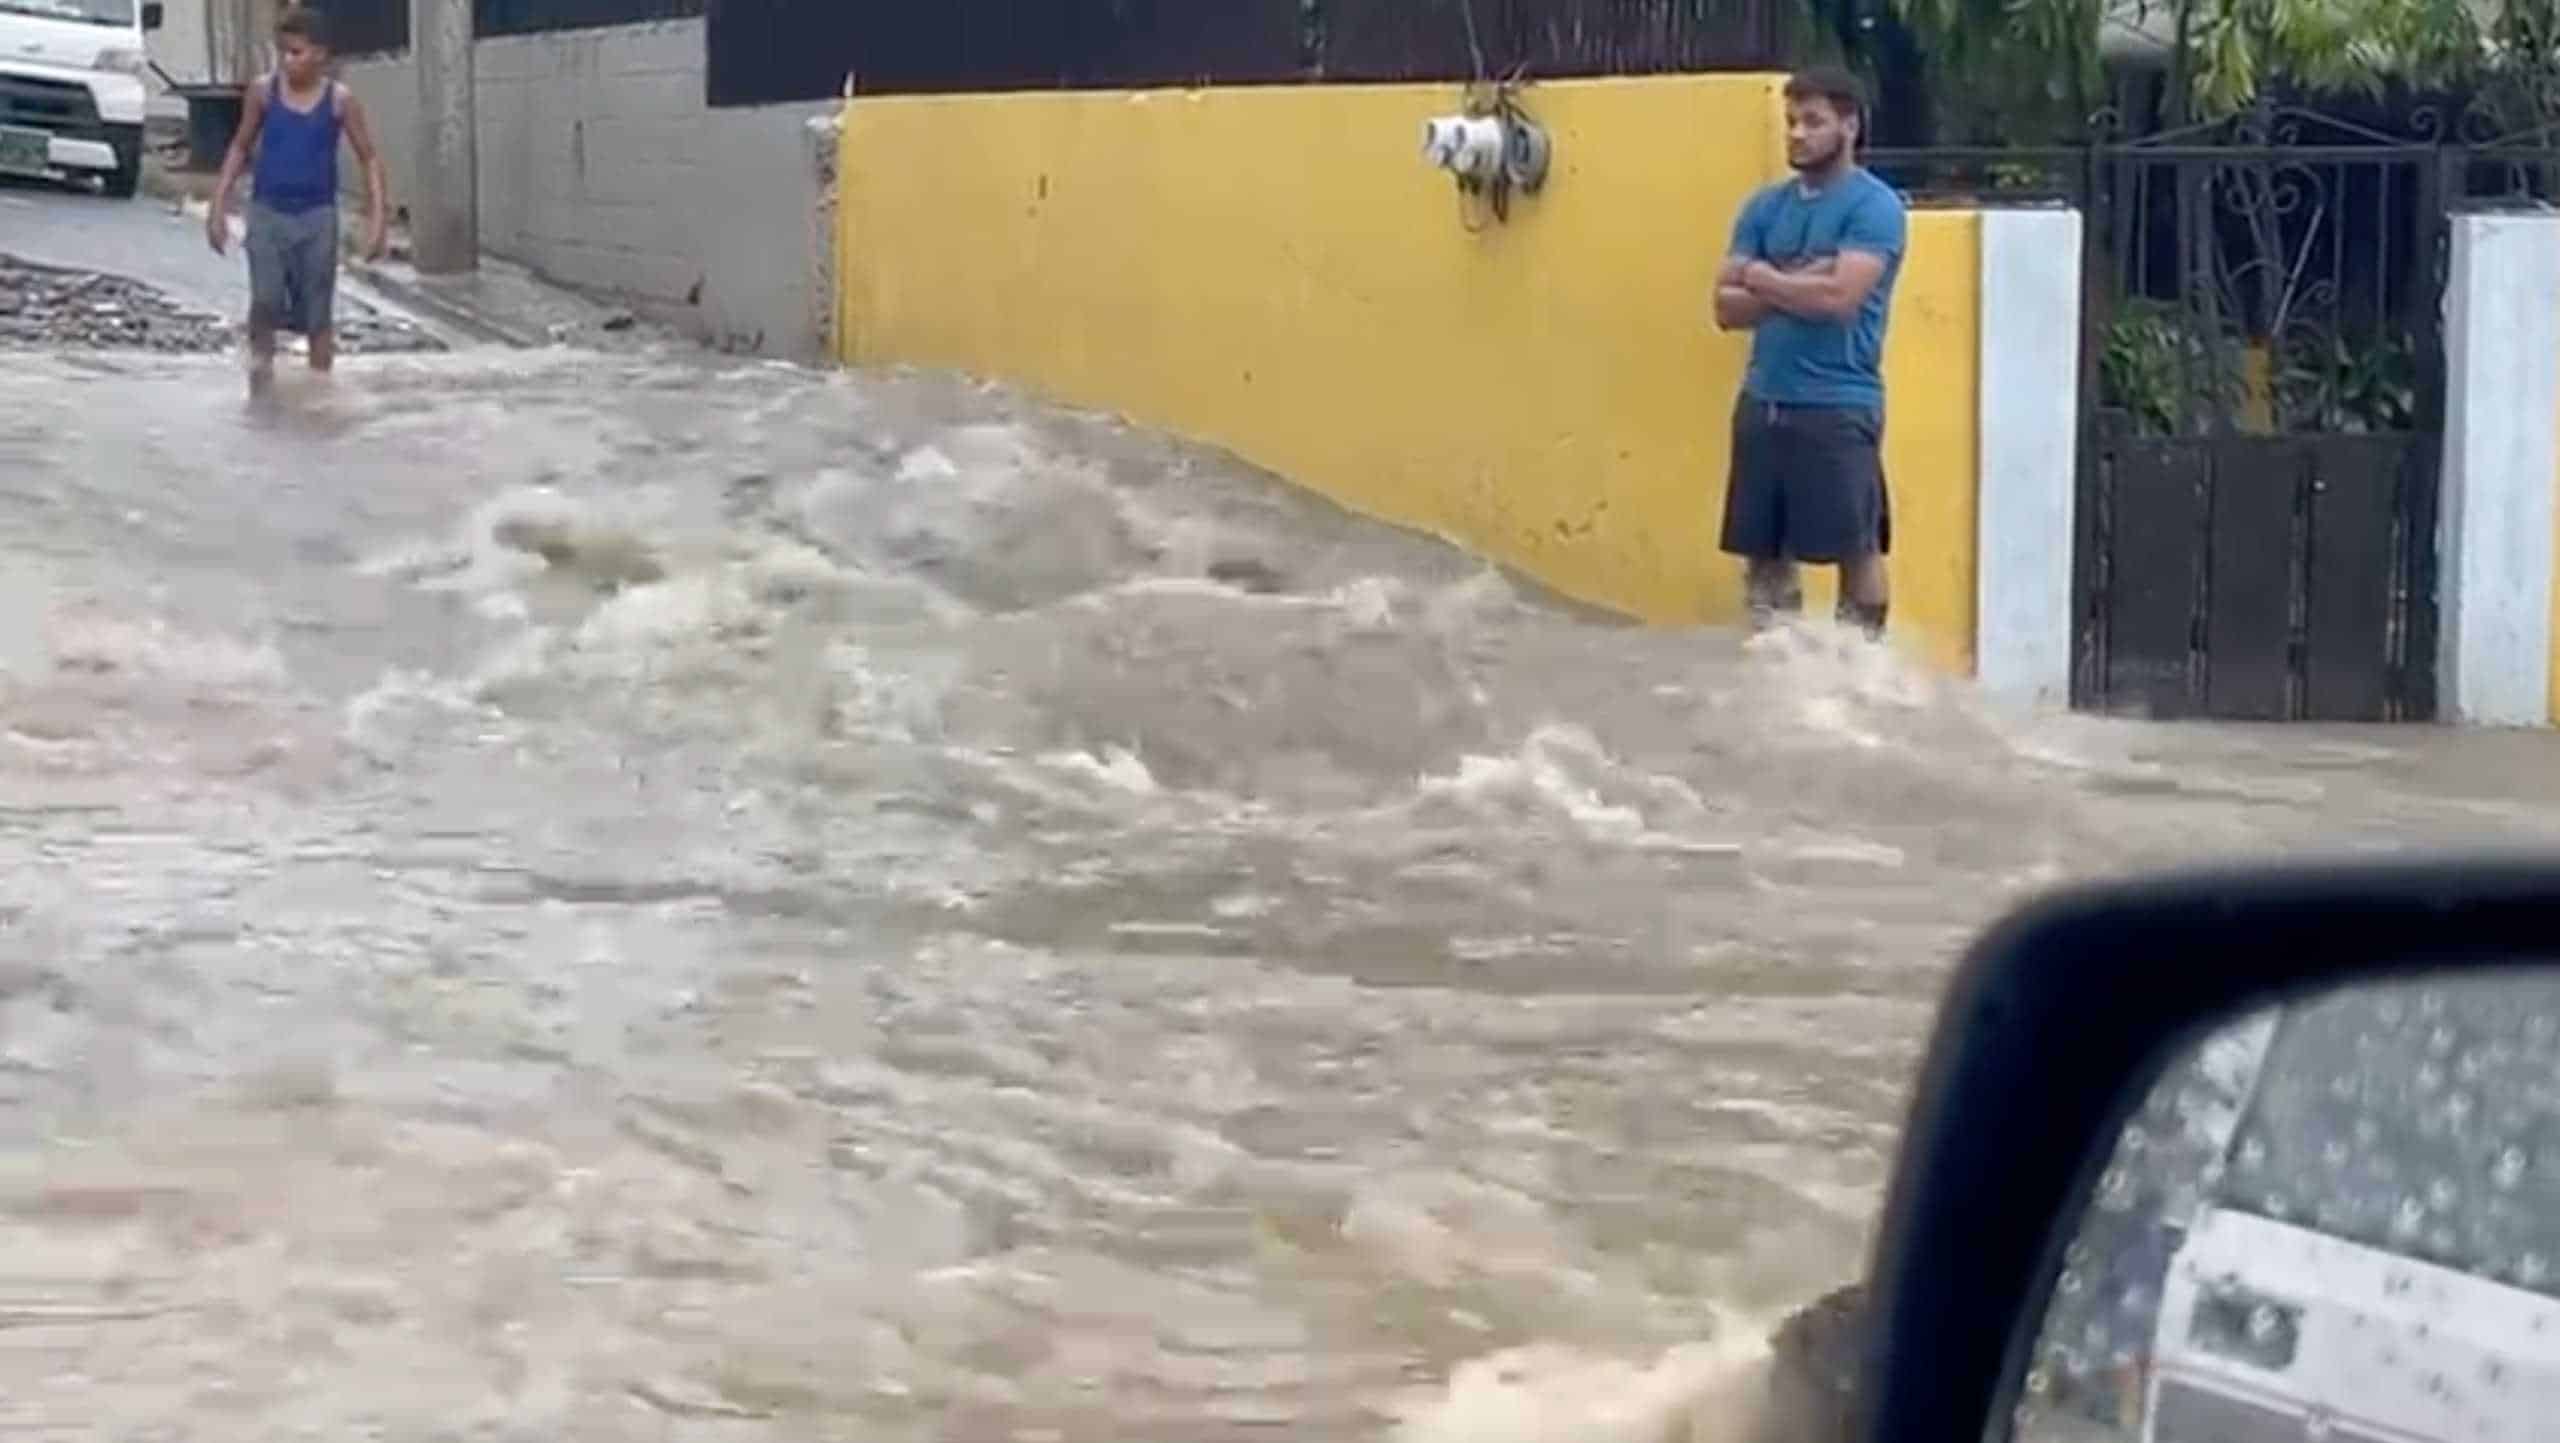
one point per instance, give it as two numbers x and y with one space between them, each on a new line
439 312
470 312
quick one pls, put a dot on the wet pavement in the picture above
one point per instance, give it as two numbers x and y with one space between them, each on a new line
557 896
142 238
88 271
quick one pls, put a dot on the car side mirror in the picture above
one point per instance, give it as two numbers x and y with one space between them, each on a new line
154 14
2268 1154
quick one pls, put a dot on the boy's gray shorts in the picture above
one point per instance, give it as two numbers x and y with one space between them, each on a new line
293 267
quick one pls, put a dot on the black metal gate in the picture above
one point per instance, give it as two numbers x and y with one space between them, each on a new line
2259 476
2259 577
2262 389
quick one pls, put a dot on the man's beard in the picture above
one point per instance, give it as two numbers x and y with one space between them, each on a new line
1823 161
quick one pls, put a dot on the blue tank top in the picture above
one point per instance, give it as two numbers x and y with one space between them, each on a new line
298 152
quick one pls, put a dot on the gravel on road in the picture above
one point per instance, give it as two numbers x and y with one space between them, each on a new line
53 308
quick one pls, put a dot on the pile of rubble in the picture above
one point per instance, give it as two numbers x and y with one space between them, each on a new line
44 306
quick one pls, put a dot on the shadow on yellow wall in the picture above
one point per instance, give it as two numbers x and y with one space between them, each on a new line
1276 271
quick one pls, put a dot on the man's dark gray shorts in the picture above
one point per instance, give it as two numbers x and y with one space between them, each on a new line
1807 484
293 267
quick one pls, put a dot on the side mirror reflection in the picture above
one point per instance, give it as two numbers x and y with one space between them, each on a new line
2336 1219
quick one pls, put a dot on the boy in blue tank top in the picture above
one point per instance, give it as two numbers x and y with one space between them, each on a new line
1810 274
290 126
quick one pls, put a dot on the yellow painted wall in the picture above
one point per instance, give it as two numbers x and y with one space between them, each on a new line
1277 271
1932 460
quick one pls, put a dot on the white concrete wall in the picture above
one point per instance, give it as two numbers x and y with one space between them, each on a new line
2029 435
2501 462
601 167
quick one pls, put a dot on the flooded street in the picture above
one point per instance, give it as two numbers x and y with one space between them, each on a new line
554 897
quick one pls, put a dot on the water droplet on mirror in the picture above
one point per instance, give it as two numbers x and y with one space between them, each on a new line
2430 1077
2442 1195
2253 1154
2116 1192
2510 1169
2334 1152
2458 1106
2406 1222
2263 1322
2532 1269
2070 1284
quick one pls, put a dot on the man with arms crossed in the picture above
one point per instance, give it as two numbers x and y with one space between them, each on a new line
1811 276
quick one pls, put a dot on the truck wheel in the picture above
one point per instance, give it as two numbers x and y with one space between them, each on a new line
126 178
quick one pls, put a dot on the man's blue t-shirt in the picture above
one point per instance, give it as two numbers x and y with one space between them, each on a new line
1796 362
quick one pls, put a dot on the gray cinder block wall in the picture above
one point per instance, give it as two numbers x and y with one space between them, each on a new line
601 167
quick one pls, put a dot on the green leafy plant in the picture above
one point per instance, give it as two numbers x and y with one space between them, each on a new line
2350 384
2159 368
2029 71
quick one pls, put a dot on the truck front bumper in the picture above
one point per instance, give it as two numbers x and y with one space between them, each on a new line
69 154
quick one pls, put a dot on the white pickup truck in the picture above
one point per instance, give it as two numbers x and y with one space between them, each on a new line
71 89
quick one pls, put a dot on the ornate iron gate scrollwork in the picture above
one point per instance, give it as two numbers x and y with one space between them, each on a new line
2263 393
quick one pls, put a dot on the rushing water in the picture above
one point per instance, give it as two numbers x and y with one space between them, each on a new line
563 898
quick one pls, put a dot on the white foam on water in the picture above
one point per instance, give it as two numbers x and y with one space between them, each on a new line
1117 767
1370 603
109 644
1710 1392
384 720
1440 1229
927 463
1562 773
1854 850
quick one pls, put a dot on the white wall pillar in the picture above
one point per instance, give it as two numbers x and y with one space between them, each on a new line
2028 438
2501 462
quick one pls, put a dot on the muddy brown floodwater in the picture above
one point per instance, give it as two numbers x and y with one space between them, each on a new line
546 897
